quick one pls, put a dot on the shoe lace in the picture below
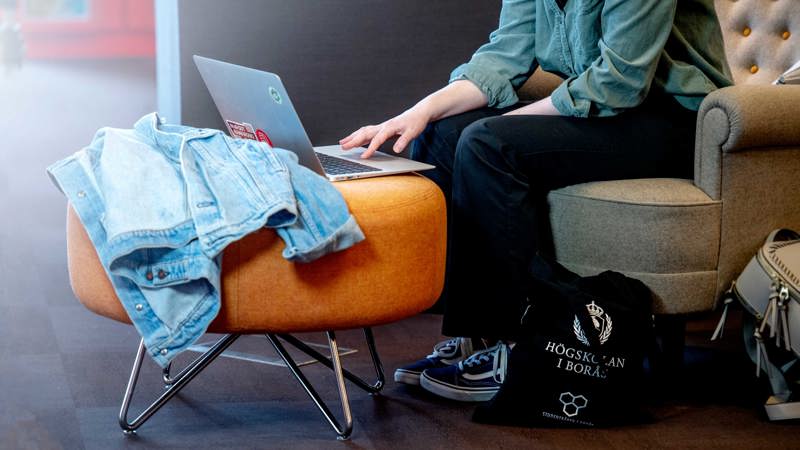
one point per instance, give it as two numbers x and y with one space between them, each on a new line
500 355
445 349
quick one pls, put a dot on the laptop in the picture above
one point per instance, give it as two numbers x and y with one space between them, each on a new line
255 105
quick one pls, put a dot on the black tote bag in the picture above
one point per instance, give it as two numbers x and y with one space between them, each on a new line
580 361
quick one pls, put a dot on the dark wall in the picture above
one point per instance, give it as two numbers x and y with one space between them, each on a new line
346 63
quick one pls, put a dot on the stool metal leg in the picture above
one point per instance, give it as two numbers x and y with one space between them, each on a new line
373 351
376 361
342 431
174 385
165 375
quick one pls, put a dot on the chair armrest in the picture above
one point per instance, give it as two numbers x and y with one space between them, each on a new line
748 157
746 117
743 118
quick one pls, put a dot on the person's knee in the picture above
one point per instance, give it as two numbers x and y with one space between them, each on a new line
478 143
436 144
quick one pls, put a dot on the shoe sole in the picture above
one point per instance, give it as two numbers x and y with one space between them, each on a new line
458 393
406 377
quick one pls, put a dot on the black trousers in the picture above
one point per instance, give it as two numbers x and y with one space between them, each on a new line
496 172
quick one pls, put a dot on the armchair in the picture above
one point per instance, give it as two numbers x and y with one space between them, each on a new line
687 239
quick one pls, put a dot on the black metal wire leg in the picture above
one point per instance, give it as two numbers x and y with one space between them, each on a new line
373 351
174 386
342 431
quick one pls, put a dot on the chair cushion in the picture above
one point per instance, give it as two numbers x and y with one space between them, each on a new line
661 231
398 271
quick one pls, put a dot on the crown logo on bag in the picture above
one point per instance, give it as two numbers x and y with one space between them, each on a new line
594 310
601 321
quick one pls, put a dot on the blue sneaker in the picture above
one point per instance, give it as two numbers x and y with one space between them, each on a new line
444 354
475 379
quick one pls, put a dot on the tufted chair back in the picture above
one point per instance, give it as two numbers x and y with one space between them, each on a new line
762 40
762 37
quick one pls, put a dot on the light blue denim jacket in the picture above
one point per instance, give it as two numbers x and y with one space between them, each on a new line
161 202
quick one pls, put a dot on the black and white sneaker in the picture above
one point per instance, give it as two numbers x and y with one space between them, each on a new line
444 354
475 379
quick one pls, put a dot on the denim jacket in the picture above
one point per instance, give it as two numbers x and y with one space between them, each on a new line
161 202
610 51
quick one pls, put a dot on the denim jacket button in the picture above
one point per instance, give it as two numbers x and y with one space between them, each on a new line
163 351
149 276
139 307
162 274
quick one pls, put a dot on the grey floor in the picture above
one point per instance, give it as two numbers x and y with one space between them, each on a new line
63 369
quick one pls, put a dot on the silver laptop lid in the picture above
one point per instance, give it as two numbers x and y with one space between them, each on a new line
252 101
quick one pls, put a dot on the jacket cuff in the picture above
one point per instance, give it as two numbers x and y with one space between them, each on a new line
499 91
567 105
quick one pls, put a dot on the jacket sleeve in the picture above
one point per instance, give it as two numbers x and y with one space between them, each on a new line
502 65
633 36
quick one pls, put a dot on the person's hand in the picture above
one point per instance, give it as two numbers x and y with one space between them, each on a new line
407 126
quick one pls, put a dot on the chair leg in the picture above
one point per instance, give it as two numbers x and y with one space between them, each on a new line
174 385
374 388
343 432
376 361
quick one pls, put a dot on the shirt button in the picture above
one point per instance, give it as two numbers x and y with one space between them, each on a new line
81 194
746 32
139 307
149 276
786 35
163 351
162 274
753 69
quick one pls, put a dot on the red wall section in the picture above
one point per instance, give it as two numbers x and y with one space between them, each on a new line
111 29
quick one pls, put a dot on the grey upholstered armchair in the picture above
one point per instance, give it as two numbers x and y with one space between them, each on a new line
687 239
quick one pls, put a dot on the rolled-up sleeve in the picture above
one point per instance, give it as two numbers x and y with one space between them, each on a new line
634 33
502 65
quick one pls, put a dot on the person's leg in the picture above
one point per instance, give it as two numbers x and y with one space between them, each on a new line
437 146
503 169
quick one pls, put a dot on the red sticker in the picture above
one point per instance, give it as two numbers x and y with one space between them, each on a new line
261 135
241 130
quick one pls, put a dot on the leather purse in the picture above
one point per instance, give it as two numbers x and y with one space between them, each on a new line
769 291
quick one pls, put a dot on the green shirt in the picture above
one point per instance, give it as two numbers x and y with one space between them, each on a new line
611 52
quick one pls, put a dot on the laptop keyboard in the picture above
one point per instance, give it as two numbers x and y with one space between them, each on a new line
339 166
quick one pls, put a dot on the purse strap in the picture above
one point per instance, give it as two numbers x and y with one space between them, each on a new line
756 350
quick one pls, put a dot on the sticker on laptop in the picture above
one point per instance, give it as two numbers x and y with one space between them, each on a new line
262 136
276 96
241 130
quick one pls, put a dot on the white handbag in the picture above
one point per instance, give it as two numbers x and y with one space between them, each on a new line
769 290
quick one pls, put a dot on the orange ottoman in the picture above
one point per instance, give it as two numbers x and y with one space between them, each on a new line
397 272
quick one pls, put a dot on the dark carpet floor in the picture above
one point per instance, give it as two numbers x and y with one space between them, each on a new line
63 369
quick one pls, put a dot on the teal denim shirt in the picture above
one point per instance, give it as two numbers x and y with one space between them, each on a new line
610 51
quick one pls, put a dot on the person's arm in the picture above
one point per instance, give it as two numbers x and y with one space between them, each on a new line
491 78
543 107
505 63
633 36
455 98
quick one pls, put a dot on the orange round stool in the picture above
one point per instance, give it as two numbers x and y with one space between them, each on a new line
397 272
